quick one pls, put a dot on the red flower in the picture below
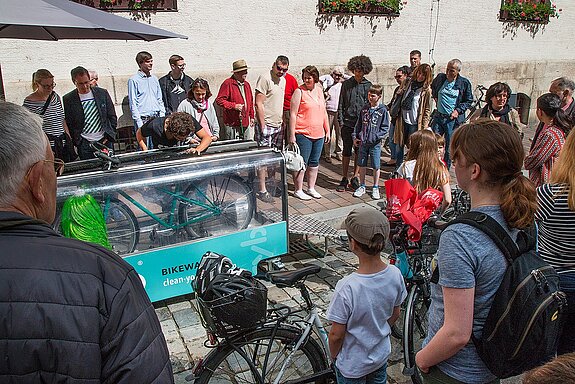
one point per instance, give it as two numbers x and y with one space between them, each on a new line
333 3
523 14
534 6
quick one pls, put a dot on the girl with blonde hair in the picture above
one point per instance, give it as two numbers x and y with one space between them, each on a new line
423 168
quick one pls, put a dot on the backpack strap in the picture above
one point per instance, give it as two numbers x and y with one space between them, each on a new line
493 229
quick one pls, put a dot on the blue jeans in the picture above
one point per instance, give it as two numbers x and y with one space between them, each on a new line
378 376
408 130
567 337
366 151
444 125
310 149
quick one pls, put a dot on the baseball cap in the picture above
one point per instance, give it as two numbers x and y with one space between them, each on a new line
365 222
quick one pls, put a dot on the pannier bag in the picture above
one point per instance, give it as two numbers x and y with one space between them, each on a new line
229 298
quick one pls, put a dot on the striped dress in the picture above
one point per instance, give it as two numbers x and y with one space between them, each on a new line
543 154
556 227
53 119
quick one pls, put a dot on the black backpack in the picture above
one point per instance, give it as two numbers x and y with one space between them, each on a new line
523 324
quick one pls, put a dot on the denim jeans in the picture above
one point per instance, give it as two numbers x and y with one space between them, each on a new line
567 336
392 145
373 151
408 130
444 125
378 376
310 149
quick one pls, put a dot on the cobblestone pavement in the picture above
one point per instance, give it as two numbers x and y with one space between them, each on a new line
185 335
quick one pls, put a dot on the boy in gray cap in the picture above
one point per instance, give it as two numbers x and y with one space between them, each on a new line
366 303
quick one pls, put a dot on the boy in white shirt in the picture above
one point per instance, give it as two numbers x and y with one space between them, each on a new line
365 303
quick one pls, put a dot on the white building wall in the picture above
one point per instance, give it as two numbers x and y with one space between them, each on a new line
221 31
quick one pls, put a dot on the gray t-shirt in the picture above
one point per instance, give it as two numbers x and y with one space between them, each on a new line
364 303
468 258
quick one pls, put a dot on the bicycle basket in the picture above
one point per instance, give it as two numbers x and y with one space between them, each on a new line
244 307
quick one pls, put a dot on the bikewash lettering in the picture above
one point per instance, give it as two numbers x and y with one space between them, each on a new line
180 268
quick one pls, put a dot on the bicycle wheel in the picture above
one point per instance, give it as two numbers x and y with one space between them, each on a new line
415 329
121 224
218 205
227 365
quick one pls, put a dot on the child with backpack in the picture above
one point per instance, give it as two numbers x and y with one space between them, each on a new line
370 129
366 303
471 268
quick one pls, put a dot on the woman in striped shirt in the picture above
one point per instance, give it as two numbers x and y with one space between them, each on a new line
47 103
556 223
548 143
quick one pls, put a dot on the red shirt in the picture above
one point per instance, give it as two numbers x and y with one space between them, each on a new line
291 86
230 95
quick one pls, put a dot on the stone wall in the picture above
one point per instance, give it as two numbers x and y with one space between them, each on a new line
526 56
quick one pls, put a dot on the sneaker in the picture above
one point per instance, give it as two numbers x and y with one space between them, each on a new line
313 193
375 193
265 197
354 182
342 185
359 192
328 159
302 195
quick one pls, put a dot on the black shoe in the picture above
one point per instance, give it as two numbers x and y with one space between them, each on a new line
342 185
354 183
265 197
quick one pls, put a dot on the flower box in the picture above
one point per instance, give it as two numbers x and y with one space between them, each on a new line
361 7
529 11
131 5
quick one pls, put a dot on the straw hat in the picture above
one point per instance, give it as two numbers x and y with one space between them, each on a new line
239 65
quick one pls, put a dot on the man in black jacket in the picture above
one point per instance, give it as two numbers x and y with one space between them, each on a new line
175 84
90 114
71 312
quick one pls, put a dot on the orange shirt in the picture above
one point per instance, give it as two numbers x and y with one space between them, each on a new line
311 113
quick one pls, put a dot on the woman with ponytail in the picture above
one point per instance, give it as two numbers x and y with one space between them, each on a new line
487 157
548 143
556 224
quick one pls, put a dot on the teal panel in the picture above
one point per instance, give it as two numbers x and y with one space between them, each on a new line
169 272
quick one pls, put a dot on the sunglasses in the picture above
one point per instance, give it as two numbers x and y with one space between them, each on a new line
281 69
398 76
48 86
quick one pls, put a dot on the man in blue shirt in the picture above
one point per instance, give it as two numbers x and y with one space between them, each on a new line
453 97
144 92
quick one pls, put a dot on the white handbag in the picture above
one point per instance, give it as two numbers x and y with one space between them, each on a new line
293 160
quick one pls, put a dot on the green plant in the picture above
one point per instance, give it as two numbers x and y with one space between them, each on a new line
354 6
530 10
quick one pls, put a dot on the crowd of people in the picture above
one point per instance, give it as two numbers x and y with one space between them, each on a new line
485 150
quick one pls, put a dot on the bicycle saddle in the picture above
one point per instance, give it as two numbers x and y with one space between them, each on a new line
289 278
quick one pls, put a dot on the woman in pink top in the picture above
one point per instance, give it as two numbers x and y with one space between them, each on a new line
309 128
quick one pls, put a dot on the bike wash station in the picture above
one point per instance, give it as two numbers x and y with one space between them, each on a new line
163 209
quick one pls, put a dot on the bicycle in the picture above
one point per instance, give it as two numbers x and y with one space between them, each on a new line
284 349
210 207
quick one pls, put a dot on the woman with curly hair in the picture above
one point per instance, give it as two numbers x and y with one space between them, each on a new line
497 107
550 140
352 99
415 108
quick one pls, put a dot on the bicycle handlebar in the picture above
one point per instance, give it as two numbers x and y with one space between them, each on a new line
102 152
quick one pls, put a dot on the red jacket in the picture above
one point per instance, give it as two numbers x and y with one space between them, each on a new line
230 95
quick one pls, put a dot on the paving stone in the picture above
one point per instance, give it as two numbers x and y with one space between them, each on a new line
180 362
163 313
168 325
186 317
174 307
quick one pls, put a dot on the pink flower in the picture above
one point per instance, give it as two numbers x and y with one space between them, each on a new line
522 13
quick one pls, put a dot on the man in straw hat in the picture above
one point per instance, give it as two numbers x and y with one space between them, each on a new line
236 99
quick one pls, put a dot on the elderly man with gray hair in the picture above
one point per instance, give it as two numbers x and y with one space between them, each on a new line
453 97
332 87
564 87
72 311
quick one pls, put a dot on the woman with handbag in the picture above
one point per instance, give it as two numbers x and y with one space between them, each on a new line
415 107
47 103
308 129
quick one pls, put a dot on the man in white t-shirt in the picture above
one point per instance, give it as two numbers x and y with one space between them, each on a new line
90 114
270 89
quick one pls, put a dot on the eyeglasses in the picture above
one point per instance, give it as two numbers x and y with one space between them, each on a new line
58 166
94 79
337 75
281 69
398 76
48 86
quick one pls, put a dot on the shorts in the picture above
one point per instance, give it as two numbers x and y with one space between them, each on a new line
310 149
373 151
269 136
346 136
